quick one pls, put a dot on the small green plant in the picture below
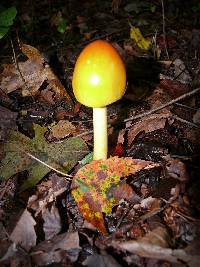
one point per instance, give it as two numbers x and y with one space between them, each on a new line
196 8
7 17
62 23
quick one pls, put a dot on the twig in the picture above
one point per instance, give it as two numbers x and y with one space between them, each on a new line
185 106
16 63
50 167
164 32
185 121
164 105
155 110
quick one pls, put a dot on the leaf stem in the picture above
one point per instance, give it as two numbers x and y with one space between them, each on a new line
50 167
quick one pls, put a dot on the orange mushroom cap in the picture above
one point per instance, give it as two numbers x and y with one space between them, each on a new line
99 77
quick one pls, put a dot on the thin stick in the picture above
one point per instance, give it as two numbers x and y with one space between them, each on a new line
50 167
155 110
164 105
16 62
164 32
191 124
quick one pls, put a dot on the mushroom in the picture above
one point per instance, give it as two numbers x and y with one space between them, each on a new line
99 79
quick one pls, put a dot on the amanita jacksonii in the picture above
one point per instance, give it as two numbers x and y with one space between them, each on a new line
99 79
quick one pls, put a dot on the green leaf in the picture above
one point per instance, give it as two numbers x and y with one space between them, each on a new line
7 16
61 156
6 20
62 25
3 31
153 8
88 158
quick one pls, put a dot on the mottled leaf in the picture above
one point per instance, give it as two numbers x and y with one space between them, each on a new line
62 156
97 187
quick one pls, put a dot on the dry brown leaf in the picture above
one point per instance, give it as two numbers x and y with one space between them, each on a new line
30 75
196 117
176 169
24 232
33 75
46 193
159 237
52 222
7 121
62 129
155 245
55 250
148 124
14 256
98 260
115 5
32 53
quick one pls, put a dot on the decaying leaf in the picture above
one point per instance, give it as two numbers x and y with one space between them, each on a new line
149 124
61 156
154 245
46 193
62 129
30 75
24 232
7 121
97 187
52 222
196 117
137 36
99 260
59 248
180 71
14 256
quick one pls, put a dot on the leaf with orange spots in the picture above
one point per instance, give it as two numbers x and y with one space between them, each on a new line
98 187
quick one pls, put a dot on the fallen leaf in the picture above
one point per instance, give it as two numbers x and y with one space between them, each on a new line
56 250
137 36
61 130
46 193
24 232
180 72
97 187
174 87
15 256
176 169
146 249
52 222
196 117
148 124
30 75
62 156
99 260
7 121
115 5
159 237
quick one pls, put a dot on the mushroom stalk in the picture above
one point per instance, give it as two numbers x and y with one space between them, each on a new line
100 133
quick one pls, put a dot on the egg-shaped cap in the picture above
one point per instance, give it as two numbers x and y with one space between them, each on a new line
99 77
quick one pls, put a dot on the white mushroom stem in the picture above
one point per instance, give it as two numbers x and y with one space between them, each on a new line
100 133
